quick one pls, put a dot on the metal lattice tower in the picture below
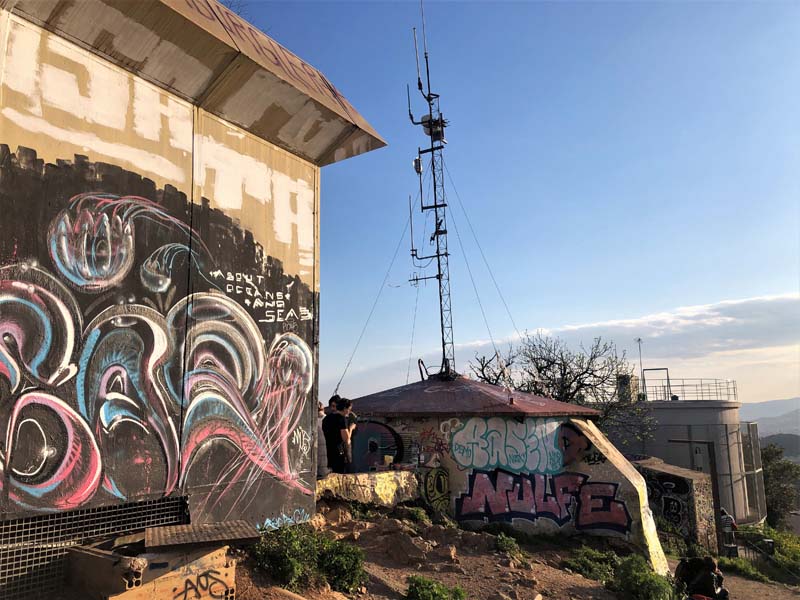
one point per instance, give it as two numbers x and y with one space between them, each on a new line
433 124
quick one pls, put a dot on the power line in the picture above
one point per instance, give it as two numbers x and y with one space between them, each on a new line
485 262
474 287
374 304
413 329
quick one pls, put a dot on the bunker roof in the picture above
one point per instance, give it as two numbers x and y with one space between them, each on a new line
462 396
209 56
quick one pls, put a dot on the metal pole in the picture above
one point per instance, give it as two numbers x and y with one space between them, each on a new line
638 340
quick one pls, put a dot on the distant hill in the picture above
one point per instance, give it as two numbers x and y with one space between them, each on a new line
786 423
788 441
754 411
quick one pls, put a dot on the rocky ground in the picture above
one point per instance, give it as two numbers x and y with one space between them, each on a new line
398 547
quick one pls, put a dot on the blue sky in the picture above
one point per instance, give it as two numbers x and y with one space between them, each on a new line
619 161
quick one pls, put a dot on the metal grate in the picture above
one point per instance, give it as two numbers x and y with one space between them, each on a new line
33 550
180 535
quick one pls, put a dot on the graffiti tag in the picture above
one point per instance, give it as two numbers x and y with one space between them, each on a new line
205 584
300 515
567 497
530 445
436 489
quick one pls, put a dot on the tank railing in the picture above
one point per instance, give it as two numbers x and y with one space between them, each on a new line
691 389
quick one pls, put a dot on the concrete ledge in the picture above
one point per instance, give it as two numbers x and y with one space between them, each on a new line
387 488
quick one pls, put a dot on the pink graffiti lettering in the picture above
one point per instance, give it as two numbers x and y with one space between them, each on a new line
564 498
598 506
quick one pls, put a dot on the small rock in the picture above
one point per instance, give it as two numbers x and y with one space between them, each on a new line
508 562
387 526
317 522
538 597
446 552
362 590
405 549
339 515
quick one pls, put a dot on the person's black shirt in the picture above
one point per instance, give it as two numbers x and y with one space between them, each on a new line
332 426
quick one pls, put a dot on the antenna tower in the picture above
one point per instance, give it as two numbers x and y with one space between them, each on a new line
433 124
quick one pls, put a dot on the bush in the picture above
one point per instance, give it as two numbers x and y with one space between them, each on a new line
342 564
635 580
422 588
299 557
415 514
362 512
506 543
592 564
743 568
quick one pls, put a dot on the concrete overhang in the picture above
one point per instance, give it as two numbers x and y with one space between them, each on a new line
206 54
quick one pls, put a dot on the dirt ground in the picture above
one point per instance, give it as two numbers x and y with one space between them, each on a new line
746 589
395 549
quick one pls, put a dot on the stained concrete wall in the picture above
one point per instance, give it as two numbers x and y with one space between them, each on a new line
158 296
543 475
681 500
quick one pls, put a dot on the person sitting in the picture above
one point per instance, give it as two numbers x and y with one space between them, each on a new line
702 578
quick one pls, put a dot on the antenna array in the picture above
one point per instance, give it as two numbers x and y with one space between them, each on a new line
433 124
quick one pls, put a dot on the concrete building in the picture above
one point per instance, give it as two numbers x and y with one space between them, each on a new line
486 454
688 412
160 166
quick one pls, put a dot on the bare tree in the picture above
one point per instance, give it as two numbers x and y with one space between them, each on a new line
237 6
591 376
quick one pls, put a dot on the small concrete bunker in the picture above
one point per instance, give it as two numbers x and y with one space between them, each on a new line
488 454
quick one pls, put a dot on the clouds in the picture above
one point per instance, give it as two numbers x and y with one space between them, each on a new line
753 340
695 331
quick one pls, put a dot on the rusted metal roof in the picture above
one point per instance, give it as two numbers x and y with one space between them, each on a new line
211 57
462 396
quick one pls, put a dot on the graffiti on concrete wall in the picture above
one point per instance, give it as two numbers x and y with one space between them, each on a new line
562 499
127 371
435 489
670 498
529 445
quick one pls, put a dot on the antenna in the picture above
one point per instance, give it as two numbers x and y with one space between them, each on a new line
419 76
433 125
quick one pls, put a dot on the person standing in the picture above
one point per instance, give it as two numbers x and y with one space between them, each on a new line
322 449
728 527
337 432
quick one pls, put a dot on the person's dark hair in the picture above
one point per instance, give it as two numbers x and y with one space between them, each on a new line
343 403
334 400
722 511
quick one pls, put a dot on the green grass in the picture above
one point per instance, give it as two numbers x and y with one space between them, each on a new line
635 580
592 564
742 567
422 588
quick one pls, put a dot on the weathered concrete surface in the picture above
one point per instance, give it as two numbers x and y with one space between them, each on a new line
682 498
633 491
383 489
542 475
